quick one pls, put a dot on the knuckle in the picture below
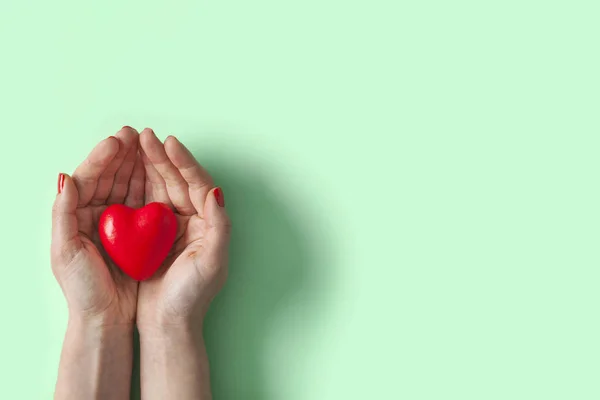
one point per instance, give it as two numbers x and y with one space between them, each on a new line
224 227
55 209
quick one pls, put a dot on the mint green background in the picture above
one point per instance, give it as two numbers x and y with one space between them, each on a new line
413 185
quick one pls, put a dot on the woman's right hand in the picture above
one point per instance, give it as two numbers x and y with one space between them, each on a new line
94 287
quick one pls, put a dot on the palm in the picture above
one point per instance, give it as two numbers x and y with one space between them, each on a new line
109 287
189 235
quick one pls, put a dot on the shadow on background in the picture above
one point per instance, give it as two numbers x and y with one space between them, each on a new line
271 275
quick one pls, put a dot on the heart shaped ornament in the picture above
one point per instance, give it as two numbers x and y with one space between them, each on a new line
138 240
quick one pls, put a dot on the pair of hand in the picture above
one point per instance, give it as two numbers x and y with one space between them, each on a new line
137 169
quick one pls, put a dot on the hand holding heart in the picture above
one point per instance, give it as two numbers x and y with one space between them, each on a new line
95 274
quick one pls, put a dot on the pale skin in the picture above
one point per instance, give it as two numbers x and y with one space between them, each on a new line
105 304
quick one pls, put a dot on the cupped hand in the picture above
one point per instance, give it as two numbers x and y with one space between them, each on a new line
196 269
93 286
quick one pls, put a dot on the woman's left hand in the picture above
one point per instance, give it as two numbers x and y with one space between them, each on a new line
94 287
96 359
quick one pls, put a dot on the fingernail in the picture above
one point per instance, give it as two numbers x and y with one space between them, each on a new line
219 197
61 182
126 127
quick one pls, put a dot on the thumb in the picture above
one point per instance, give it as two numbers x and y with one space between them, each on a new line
219 226
66 242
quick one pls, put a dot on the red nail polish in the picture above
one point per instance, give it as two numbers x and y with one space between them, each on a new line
61 182
219 197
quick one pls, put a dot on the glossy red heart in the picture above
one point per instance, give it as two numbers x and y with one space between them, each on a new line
138 240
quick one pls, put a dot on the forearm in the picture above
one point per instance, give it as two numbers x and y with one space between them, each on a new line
96 362
174 364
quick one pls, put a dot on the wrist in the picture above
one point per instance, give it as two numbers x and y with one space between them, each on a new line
160 328
175 363
97 336
101 322
96 360
158 324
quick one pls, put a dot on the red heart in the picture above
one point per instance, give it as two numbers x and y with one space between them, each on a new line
138 241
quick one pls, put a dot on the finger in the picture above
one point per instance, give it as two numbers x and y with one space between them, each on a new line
218 232
155 188
127 139
198 179
130 139
89 171
135 190
66 242
176 186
